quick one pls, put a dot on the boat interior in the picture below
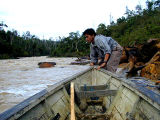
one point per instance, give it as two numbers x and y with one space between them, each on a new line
90 95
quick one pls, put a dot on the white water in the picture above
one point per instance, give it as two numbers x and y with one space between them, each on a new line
22 78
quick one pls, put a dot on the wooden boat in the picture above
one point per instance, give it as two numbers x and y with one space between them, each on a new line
97 95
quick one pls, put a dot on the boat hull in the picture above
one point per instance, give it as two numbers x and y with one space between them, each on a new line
131 101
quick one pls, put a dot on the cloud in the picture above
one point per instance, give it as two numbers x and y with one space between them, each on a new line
53 18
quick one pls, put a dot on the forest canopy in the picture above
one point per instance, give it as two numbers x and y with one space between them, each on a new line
136 27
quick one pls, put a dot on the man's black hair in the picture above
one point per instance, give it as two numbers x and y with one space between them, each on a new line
89 31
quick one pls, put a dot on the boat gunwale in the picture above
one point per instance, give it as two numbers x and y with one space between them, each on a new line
149 95
24 106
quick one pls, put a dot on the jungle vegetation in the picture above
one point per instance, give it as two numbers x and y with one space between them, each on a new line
136 27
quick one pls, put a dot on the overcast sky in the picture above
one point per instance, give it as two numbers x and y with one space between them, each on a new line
54 18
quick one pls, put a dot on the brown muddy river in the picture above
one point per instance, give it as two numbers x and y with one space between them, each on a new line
22 78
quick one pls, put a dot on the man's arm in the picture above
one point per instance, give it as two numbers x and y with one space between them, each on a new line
106 58
102 43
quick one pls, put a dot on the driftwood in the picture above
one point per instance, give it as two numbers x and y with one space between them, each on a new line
46 64
80 61
143 57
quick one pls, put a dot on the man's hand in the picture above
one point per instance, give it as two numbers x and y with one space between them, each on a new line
101 66
91 64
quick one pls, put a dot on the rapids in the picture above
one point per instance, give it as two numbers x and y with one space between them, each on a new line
22 78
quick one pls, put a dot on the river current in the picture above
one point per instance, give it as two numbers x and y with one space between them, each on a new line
22 78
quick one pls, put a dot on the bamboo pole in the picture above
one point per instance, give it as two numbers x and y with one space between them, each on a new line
72 102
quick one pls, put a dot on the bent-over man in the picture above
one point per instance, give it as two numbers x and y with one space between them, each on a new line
105 48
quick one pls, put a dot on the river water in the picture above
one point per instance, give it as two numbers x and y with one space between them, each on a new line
22 78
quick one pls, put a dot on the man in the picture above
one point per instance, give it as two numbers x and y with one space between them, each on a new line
105 48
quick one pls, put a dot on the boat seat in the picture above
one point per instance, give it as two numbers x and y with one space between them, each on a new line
91 100
94 91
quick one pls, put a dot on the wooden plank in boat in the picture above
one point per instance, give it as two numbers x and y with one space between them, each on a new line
72 102
68 98
93 87
97 93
